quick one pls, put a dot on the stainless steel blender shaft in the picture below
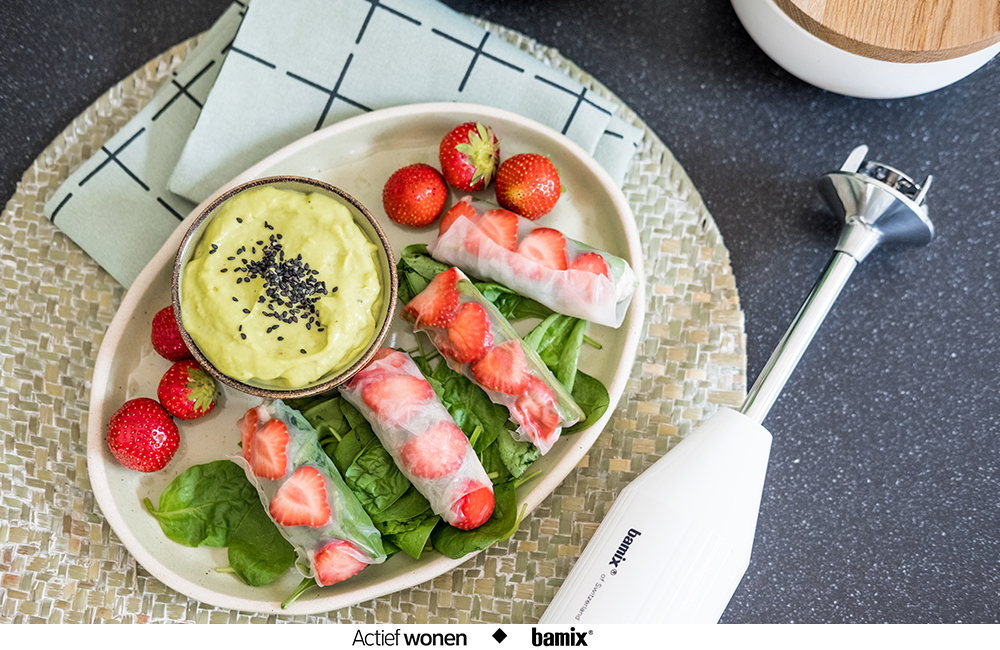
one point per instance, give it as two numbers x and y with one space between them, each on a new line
878 204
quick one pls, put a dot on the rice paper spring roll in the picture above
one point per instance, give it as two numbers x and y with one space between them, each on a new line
305 496
565 275
477 341
422 438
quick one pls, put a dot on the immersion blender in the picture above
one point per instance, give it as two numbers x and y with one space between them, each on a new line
677 540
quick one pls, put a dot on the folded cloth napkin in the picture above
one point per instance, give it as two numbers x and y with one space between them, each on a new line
116 206
294 68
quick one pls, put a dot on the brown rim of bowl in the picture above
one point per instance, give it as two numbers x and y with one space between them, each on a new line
271 393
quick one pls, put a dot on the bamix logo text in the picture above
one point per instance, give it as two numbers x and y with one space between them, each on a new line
619 555
571 638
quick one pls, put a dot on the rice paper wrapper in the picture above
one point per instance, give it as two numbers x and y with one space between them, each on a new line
348 520
418 432
526 405
595 298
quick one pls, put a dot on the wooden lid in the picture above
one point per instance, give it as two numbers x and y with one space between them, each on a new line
901 31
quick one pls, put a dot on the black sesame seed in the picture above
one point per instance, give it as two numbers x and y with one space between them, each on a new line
223 270
281 338
302 351
243 336
235 299
239 220
246 311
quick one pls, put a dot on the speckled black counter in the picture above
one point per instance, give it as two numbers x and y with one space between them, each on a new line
882 501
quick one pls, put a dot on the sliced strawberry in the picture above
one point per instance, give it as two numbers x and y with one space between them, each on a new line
474 508
461 209
248 427
337 561
501 227
301 500
545 246
592 263
396 398
269 455
394 358
437 304
503 369
535 410
437 452
469 337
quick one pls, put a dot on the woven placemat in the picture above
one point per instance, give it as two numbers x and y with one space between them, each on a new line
61 562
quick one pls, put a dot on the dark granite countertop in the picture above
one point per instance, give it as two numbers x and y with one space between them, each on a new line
882 500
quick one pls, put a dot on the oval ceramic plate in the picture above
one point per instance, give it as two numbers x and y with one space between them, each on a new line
356 155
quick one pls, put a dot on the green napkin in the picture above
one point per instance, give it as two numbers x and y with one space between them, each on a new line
296 67
293 68
116 206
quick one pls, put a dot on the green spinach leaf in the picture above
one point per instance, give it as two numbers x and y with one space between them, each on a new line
204 504
455 543
257 552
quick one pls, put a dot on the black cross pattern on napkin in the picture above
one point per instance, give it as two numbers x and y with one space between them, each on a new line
580 100
375 4
183 90
170 209
332 93
477 52
113 156
252 57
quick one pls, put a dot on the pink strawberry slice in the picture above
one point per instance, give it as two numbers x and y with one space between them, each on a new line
535 410
474 508
469 337
437 452
269 454
545 246
396 398
503 369
461 209
591 262
337 561
437 304
501 227
248 427
301 500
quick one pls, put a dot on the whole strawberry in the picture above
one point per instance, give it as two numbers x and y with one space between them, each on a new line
187 391
528 184
414 195
142 435
166 336
469 155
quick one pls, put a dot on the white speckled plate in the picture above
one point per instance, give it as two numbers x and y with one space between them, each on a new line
356 155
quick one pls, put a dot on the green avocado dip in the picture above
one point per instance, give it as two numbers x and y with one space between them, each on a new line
283 289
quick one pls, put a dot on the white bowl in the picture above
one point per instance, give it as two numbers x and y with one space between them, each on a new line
821 64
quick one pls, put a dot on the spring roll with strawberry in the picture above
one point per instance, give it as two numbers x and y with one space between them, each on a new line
538 262
477 341
422 438
305 496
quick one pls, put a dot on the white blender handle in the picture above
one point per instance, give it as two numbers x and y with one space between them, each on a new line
676 543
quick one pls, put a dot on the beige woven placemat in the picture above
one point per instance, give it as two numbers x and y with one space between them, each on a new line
61 562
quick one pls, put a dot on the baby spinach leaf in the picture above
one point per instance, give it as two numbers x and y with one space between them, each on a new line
592 397
204 504
455 543
516 455
257 552
375 479
468 404
512 305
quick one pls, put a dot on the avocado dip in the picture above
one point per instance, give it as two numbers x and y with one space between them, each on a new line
283 289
